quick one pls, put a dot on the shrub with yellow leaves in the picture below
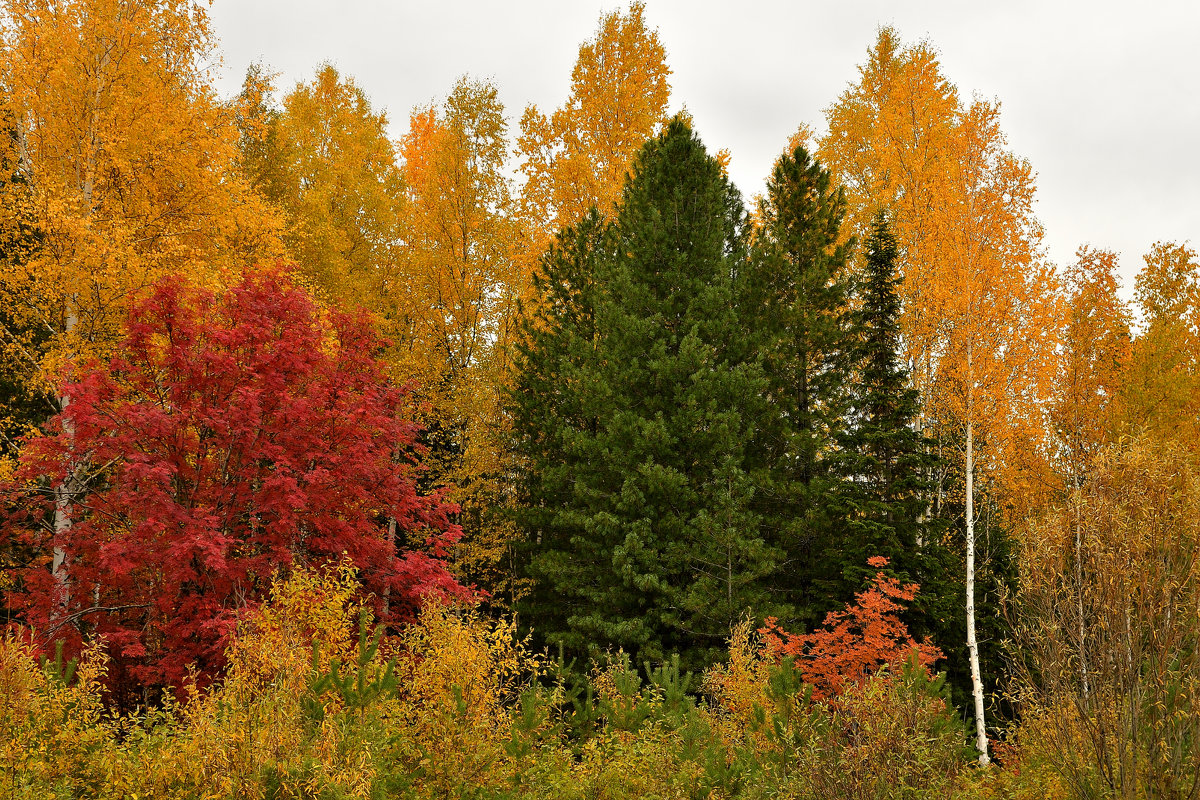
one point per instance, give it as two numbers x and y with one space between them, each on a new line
459 675
238 737
53 730
451 706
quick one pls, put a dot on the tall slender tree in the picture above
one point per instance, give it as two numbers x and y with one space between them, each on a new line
974 284
1094 353
796 293
459 306
886 461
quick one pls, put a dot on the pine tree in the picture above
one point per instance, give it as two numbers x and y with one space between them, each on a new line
634 413
555 416
797 291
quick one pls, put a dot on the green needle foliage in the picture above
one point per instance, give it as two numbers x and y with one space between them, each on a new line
888 464
797 293
636 398
361 685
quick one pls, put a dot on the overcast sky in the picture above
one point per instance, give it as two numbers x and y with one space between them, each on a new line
1103 98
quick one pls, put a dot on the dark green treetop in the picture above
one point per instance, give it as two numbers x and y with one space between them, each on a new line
637 400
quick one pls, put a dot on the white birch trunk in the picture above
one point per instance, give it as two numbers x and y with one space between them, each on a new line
981 742
64 498
391 540
66 492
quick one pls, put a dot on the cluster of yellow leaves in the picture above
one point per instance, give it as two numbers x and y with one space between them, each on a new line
973 285
336 178
126 162
50 731
1095 352
1160 389
461 676
446 720
1110 608
578 156
218 741
739 686
460 238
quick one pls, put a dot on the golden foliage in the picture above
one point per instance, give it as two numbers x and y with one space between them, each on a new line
973 282
50 729
266 730
1109 605
460 241
335 175
740 686
1091 363
127 160
578 156
456 320
1160 390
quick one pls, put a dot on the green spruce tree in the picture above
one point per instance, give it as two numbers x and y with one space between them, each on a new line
885 461
797 291
635 407
556 408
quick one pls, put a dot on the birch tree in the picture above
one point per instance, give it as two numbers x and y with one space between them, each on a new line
980 311
125 160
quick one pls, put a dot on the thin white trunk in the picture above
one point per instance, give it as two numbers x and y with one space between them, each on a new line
67 491
926 513
387 589
64 498
981 742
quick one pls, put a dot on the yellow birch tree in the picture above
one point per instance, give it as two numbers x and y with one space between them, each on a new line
980 312
456 319
341 188
1161 391
577 157
125 166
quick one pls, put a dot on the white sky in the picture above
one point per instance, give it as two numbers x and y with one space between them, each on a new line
1103 98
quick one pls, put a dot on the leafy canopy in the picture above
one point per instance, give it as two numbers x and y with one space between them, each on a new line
229 437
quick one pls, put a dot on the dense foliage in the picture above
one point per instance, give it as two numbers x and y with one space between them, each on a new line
228 437
257 346
314 704
653 546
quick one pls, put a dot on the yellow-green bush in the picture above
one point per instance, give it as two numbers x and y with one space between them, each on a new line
54 736
317 704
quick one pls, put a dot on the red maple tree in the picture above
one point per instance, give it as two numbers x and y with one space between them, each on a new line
856 642
232 435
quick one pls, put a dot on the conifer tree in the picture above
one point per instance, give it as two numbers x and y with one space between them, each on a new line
796 294
639 499
555 414
886 461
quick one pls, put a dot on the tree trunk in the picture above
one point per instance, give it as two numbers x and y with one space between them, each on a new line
387 589
972 642
64 499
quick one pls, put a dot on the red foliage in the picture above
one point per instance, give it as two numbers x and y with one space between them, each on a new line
231 436
856 642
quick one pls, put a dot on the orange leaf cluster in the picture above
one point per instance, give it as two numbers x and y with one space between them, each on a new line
854 643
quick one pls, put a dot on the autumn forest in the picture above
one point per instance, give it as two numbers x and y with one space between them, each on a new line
525 457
